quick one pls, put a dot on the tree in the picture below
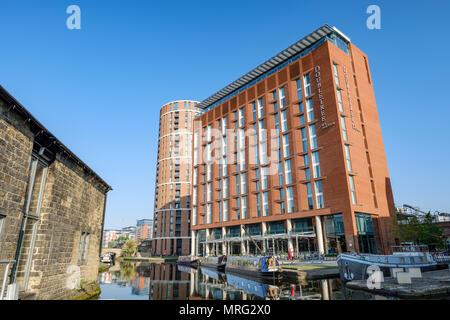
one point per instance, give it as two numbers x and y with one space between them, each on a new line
425 232
430 233
129 248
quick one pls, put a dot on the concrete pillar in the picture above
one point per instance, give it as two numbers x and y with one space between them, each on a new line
325 290
319 234
224 243
243 249
263 232
192 284
207 244
193 242
290 240
248 247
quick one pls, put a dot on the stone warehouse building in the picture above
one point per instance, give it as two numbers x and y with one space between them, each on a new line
52 207
290 157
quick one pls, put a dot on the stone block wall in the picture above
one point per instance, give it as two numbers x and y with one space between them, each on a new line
16 144
73 202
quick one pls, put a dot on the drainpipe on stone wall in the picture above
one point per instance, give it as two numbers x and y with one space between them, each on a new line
103 226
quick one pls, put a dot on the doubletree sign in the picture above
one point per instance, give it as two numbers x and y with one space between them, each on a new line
320 95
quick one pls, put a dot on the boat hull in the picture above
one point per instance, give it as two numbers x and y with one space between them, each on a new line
253 274
192 263
218 267
354 269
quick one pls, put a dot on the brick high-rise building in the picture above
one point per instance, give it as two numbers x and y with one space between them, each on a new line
171 229
143 230
320 181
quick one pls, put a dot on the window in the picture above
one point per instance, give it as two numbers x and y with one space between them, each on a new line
312 136
307 83
287 171
263 154
225 188
282 97
241 117
307 174
304 140
286 151
194 216
352 189
225 210
347 157
265 204
310 196
237 185
315 163
264 178
194 200
302 119
282 204
244 207
319 195
208 133
290 199
275 99
277 124
339 96
284 125
254 110
242 160
305 160
309 110
299 89
243 184
336 77
260 108
208 213
261 130
209 192
344 129
83 248
258 204
209 171
224 126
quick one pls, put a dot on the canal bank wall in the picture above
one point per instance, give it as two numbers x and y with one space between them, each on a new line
310 273
432 284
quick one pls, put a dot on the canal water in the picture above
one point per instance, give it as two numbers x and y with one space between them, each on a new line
144 281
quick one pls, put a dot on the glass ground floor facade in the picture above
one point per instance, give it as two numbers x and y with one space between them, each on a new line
298 237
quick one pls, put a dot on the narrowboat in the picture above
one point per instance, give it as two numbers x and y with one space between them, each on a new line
186 269
254 267
214 274
262 290
216 263
355 266
189 261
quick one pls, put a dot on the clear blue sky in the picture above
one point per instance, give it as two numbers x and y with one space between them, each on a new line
99 89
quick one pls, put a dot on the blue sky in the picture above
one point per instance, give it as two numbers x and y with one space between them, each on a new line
99 89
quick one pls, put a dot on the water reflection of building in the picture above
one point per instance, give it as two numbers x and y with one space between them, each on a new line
168 283
141 285
208 284
113 278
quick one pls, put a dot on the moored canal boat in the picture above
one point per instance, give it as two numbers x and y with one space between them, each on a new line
355 266
254 267
190 261
262 290
216 263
